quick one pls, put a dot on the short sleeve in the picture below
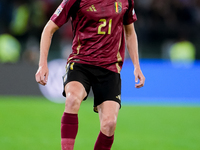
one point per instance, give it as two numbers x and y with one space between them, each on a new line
130 16
62 13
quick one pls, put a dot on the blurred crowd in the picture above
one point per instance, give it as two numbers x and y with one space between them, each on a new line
167 21
160 24
163 19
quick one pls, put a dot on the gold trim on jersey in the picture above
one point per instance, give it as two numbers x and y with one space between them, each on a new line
77 49
119 58
79 46
118 68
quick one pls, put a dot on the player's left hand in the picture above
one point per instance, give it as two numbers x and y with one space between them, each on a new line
139 76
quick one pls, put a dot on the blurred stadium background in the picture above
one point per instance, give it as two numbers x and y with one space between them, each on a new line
164 114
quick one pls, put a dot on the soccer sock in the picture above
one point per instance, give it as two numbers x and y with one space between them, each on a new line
69 129
104 142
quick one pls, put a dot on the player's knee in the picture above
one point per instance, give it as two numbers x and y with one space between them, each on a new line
108 125
72 103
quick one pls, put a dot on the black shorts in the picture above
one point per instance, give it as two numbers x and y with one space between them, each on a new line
106 85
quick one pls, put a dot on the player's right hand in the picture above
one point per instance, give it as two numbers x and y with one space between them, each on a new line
41 75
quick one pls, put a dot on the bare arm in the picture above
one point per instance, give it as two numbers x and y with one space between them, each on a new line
42 73
132 46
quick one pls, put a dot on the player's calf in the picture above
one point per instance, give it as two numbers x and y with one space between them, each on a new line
69 129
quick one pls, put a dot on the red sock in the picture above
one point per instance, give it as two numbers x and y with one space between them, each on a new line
104 142
69 129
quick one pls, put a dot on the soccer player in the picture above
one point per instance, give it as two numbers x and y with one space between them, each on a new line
100 29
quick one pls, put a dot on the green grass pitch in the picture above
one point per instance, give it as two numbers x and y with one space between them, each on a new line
33 123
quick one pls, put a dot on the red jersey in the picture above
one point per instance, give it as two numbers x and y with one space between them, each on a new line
98 30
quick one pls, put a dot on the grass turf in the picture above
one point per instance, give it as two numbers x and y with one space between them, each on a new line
33 123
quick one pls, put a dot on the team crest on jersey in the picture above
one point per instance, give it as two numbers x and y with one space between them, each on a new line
58 10
118 7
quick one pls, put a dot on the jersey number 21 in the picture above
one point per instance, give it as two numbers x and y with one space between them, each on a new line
103 25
